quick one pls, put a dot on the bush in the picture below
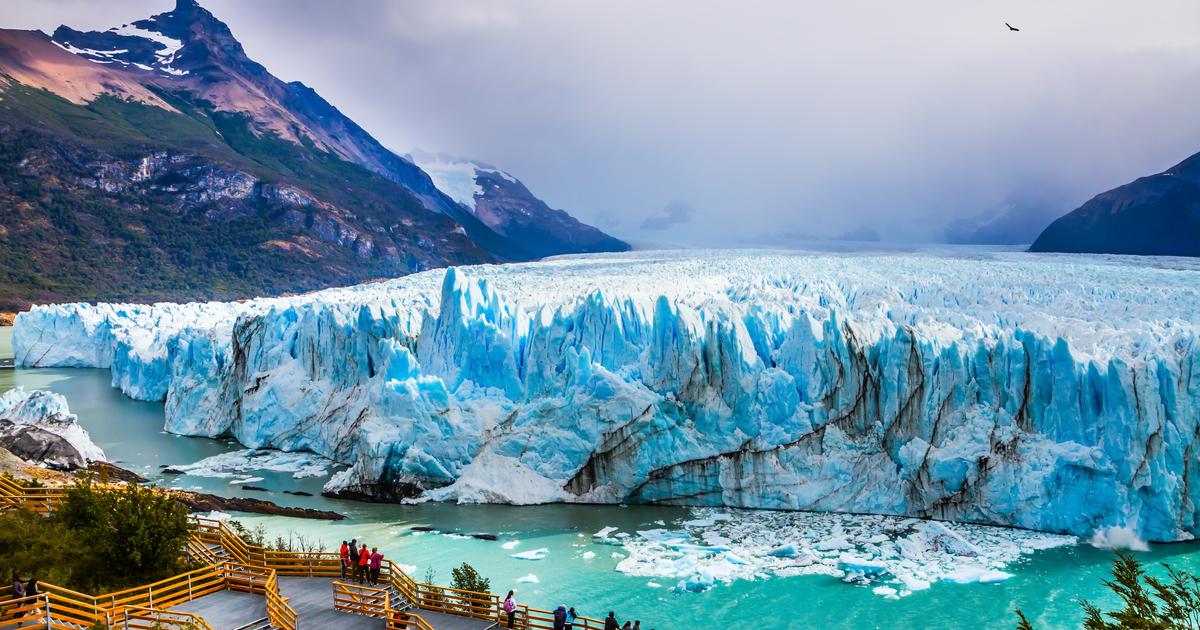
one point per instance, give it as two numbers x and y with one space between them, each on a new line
466 578
34 546
127 536
1173 604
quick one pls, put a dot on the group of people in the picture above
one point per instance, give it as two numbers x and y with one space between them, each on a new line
360 563
24 588
564 618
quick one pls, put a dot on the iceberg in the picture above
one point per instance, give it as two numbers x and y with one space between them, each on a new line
1053 393
38 426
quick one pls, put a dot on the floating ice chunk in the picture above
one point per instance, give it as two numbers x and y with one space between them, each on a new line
528 579
885 591
588 555
407 568
784 551
653 584
535 554
300 464
246 480
1115 537
512 544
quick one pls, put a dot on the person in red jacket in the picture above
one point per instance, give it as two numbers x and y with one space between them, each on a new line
345 558
364 559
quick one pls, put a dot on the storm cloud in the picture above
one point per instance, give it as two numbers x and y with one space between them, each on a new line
767 116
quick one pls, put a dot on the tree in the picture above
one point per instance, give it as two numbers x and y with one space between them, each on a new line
128 535
1173 604
466 578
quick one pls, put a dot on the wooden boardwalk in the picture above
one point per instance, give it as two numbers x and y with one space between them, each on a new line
226 610
312 598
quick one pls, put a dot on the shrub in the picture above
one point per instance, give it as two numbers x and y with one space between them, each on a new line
128 535
1173 604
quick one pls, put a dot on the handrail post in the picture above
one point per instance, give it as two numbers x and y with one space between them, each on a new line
189 587
49 620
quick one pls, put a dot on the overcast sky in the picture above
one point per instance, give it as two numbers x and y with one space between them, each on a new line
736 121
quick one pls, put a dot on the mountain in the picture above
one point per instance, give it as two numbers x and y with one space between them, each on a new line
1012 223
155 160
1158 215
504 204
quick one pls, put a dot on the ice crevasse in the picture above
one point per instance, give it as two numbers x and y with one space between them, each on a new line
1056 393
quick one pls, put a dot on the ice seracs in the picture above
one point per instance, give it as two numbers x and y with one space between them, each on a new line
37 426
1044 392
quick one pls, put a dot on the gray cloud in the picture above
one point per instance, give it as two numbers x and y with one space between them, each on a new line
674 214
802 115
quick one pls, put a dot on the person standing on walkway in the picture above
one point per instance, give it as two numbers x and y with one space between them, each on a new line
571 618
364 560
18 586
353 554
376 564
560 617
510 609
610 622
344 555
637 625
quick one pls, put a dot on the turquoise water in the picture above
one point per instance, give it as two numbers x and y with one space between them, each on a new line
1045 585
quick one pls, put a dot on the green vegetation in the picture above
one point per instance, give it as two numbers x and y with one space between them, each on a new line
75 224
466 578
1148 603
293 542
100 539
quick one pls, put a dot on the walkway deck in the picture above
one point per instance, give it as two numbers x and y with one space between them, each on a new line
226 610
312 598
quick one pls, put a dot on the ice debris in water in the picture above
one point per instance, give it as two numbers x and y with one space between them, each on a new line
535 554
528 579
897 555
236 463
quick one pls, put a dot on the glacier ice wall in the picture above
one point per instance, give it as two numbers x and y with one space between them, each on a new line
1051 393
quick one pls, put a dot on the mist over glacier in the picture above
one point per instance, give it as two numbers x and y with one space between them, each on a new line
1050 393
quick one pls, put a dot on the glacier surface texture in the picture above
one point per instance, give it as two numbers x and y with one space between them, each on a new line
1056 393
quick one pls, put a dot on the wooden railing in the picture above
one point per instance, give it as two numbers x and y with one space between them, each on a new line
140 618
361 600
442 599
34 498
25 612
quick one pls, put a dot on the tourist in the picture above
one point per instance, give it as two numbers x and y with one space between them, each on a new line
353 553
637 625
31 588
610 622
560 617
364 559
627 626
571 618
344 554
376 564
400 620
18 586
510 609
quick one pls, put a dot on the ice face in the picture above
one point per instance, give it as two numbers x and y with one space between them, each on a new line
1055 393
47 411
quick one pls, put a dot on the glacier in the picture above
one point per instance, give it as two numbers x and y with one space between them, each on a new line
1053 393
37 426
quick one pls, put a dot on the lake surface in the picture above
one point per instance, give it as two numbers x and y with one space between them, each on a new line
1045 585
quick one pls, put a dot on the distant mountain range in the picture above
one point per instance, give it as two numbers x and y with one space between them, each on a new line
155 160
1012 223
1156 215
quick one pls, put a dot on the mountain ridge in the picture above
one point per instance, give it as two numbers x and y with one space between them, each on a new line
128 151
1155 215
